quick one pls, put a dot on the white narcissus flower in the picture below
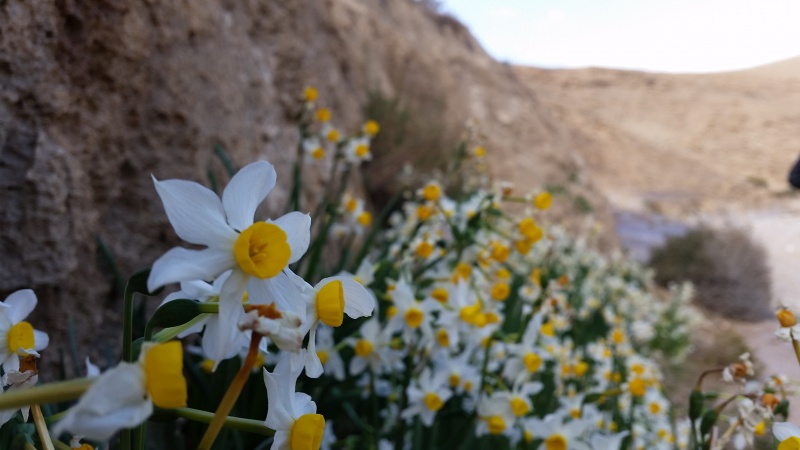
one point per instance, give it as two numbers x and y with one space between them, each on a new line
123 397
258 253
17 337
327 303
19 380
427 396
291 414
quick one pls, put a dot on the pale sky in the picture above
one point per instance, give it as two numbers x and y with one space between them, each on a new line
652 35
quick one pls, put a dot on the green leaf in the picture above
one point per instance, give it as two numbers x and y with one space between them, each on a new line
171 314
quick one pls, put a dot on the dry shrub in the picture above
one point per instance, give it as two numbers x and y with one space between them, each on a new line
726 266
415 131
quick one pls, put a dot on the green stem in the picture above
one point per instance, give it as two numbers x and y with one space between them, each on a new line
238 423
127 325
61 446
226 405
46 393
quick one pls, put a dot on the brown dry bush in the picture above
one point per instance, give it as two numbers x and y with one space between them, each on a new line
726 266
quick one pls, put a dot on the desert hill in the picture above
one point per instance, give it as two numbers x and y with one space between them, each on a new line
680 142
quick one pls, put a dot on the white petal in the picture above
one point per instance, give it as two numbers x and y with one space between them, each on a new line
180 264
195 213
785 430
313 364
11 363
20 304
357 300
246 190
298 232
303 404
280 387
230 311
40 340
279 290
116 400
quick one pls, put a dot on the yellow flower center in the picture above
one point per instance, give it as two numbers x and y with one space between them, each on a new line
364 219
468 385
536 276
503 273
581 368
330 303
310 94
480 152
496 424
791 443
556 442
432 192
527 436
500 291
307 432
760 428
424 249
323 114
786 318
443 338
262 250
463 271
323 356
454 379
84 447
424 212
617 336
637 368
362 150
655 408
548 329
318 153
163 371
543 201
519 407
372 127
433 401
532 362
363 348
468 313
351 204
526 226
20 337
440 295
500 252
391 311
333 135
575 413
523 247
414 317
637 387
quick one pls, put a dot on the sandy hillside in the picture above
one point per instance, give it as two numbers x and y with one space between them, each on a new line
680 142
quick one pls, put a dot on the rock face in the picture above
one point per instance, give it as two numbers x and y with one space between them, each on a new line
96 96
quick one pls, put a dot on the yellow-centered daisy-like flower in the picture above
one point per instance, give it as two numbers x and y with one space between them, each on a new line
257 253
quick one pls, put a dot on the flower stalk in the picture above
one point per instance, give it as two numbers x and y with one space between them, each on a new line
226 405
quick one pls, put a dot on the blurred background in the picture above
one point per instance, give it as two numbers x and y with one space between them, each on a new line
664 129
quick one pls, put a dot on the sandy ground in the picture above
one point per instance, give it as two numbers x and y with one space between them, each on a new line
778 230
